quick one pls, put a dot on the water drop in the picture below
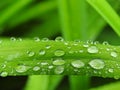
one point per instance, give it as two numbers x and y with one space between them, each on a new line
96 42
71 51
113 54
4 74
81 51
36 68
48 47
58 62
42 52
110 70
45 39
105 43
37 39
92 49
77 64
66 43
50 67
59 39
44 63
59 70
97 64
85 45
30 53
13 39
59 53
1 41
21 68
19 39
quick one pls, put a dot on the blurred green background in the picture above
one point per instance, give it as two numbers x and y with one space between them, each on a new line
41 18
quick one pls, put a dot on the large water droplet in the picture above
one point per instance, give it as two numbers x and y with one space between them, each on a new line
92 49
21 68
36 68
77 64
113 54
4 74
59 53
30 53
59 70
58 62
59 39
97 64
42 52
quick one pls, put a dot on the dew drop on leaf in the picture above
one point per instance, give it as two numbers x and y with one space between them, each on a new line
21 68
45 39
4 74
59 70
59 53
97 64
105 43
42 52
58 62
30 53
85 45
92 49
50 67
77 64
48 47
37 39
110 70
36 68
13 39
113 54
59 39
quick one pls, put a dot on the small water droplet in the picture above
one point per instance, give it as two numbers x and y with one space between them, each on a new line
44 63
1 41
19 39
48 47
59 39
30 53
97 64
71 51
50 67
77 64
59 53
113 54
105 43
21 68
42 52
92 49
4 74
58 62
59 70
13 39
37 39
81 51
36 68
110 70
66 43
85 45
45 39
96 42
